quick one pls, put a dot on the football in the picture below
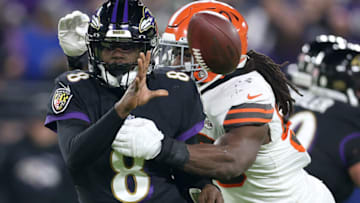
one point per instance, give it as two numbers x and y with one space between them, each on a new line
214 42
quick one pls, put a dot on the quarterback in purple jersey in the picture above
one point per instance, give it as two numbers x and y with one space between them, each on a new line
87 109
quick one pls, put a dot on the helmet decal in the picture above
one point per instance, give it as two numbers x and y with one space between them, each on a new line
147 21
125 12
95 22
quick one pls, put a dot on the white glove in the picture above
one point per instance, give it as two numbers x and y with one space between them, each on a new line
71 33
138 138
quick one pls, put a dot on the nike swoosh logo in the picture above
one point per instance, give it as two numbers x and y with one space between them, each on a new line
253 97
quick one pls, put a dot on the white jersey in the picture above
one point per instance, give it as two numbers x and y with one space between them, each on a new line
277 175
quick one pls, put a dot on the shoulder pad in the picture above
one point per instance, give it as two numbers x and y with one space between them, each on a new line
172 74
250 88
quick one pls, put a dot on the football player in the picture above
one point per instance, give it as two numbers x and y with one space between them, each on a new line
327 116
255 157
87 109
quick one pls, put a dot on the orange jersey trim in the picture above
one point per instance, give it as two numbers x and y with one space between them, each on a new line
297 146
202 134
229 185
246 120
284 132
209 78
251 110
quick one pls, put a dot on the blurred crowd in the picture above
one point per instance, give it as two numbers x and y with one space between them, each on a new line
30 58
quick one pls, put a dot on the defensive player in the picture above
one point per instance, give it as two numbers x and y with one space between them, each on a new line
256 157
88 108
327 116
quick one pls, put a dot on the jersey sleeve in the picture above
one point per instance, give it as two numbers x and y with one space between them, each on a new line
66 101
252 103
350 148
192 113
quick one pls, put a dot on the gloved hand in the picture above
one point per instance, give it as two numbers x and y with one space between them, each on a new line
138 138
71 33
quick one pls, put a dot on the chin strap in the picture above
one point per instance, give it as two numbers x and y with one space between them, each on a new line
120 81
128 78
107 77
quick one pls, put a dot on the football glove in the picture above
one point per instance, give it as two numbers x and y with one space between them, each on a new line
71 33
138 138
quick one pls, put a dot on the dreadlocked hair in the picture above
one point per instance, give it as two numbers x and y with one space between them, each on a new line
275 77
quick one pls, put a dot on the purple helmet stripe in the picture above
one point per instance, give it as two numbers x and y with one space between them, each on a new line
191 132
126 10
114 13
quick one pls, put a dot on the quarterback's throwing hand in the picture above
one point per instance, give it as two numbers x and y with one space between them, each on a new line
138 138
138 93
71 33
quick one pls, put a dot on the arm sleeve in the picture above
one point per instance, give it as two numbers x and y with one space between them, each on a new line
250 104
248 114
82 144
67 100
78 62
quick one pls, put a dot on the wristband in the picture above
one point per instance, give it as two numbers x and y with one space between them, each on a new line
77 62
173 152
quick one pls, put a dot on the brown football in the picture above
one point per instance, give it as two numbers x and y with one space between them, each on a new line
214 42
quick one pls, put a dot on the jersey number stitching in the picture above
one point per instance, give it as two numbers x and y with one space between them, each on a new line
76 77
119 184
178 75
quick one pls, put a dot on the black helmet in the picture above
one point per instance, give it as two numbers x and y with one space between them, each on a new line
308 57
330 66
339 72
119 23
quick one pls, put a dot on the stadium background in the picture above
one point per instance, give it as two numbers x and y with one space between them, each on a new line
30 56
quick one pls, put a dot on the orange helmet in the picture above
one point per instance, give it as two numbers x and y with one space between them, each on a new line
176 32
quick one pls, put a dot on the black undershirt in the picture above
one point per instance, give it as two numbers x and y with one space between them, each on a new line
82 144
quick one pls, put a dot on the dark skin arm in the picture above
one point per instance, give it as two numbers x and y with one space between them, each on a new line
230 156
